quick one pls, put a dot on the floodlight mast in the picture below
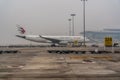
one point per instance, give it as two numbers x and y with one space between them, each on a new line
84 26
73 23
69 27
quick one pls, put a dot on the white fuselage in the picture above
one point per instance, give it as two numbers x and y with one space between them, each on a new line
50 39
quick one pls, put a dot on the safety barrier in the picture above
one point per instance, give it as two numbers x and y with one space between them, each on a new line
81 51
9 51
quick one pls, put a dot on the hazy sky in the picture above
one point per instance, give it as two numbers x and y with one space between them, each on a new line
50 17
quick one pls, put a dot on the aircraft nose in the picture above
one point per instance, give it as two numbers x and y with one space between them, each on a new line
21 36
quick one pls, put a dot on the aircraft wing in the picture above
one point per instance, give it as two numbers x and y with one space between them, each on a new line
51 39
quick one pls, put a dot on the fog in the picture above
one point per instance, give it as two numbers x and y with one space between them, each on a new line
50 17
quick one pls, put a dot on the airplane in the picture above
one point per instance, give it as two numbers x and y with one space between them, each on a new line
53 40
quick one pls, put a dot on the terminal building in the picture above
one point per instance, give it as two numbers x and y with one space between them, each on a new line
100 35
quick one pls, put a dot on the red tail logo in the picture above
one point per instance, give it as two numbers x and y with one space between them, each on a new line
21 29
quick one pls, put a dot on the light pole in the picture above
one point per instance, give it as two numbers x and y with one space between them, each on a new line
69 27
73 23
84 19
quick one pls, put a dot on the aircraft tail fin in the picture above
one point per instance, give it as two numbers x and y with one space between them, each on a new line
21 29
